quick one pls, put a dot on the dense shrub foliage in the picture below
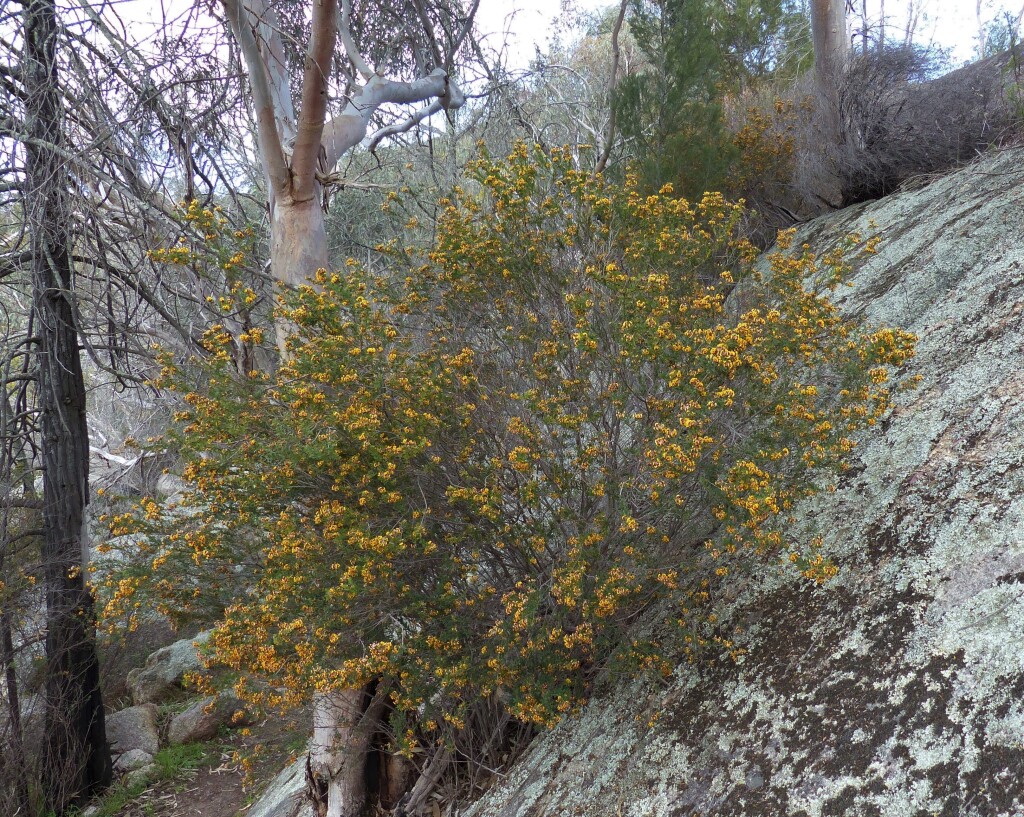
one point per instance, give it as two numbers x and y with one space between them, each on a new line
476 470
699 55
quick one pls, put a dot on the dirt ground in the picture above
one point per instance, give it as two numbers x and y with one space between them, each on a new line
219 788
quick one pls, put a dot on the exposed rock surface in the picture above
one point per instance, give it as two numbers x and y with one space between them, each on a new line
140 776
204 717
162 675
898 689
134 728
131 760
283 797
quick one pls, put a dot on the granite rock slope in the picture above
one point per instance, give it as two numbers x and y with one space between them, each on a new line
898 689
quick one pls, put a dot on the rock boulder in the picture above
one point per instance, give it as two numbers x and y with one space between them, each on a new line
131 760
204 717
134 728
161 677
283 797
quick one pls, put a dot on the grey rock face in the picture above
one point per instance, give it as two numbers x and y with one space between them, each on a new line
131 760
283 796
134 728
203 718
164 670
898 689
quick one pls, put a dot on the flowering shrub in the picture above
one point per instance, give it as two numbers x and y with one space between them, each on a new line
222 274
767 142
474 472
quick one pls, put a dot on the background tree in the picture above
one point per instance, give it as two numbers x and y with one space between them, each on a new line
831 51
299 146
88 206
998 34
697 54
565 96
76 756
831 41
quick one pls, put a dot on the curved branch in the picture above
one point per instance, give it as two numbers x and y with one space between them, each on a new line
405 125
349 128
349 44
272 48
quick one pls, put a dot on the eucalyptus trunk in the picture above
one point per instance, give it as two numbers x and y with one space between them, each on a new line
344 724
831 52
299 145
298 241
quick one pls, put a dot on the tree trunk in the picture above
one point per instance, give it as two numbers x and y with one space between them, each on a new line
293 149
76 760
397 778
344 724
298 248
831 50
16 764
298 242
831 43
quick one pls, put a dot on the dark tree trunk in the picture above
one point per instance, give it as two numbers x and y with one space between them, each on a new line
76 758
16 765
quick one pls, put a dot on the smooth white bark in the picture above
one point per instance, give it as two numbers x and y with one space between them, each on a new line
344 724
351 126
297 149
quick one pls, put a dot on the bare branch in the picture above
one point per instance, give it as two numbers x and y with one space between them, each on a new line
406 124
609 136
349 128
464 33
435 49
345 33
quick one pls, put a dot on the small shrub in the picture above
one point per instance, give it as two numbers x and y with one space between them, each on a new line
769 134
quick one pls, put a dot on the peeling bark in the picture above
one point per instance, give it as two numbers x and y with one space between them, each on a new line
298 241
317 144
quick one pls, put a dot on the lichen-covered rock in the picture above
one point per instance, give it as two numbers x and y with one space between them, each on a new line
898 689
133 728
202 719
141 776
165 669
